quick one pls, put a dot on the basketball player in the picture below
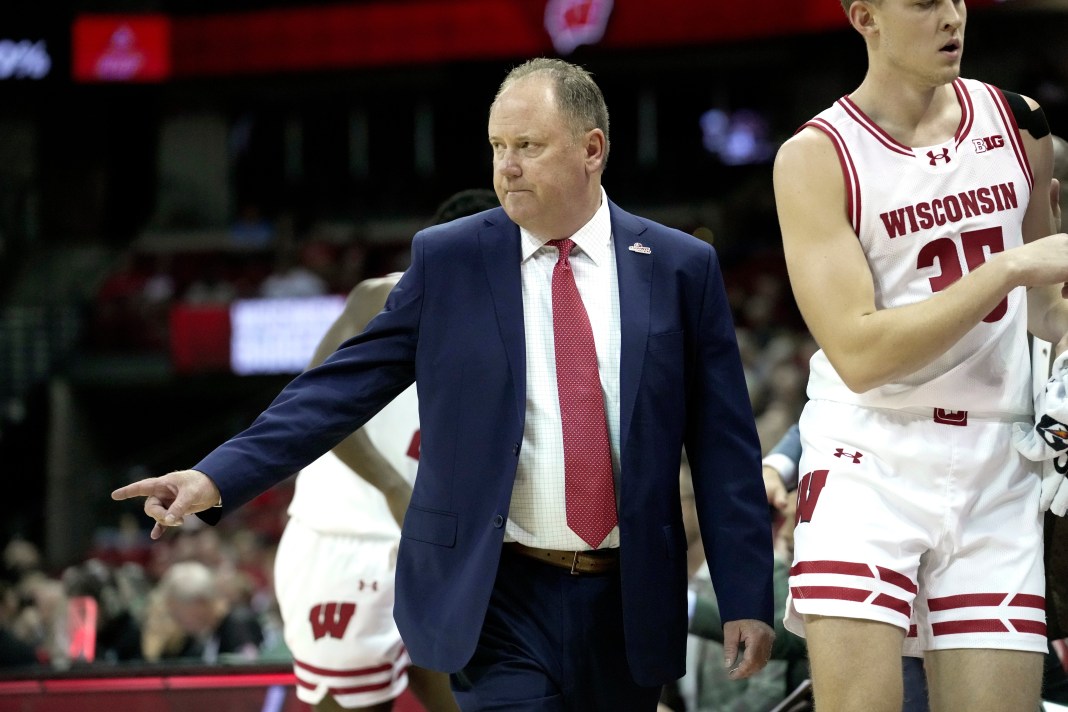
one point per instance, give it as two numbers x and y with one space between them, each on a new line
914 215
335 563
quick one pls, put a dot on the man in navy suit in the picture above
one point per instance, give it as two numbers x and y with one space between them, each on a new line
494 583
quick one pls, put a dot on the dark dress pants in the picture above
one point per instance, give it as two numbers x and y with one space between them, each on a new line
552 642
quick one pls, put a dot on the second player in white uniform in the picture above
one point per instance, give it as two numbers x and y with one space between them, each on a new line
337 559
924 216
335 565
919 257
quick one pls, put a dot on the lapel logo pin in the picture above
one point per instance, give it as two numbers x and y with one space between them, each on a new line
639 247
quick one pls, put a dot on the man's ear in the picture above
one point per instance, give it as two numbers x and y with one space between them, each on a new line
596 145
862 18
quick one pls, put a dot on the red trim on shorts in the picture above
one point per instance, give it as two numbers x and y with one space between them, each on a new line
900 580
978 625
847 568
851 568
1028 600
967 600
356 672
843 593
989 625
894 604
335 691
1024 625
352 672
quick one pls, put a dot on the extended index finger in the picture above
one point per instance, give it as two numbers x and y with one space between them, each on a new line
141 488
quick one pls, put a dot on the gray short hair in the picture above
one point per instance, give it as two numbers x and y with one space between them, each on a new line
577 96
188 581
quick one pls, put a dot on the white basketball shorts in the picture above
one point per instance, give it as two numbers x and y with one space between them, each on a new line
926 521
335 594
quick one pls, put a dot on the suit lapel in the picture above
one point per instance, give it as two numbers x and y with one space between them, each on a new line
635 276
500 249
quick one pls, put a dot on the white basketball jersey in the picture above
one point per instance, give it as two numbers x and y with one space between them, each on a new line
925 217
330 497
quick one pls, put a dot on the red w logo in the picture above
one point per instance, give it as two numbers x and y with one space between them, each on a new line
808 492
331 619
413 447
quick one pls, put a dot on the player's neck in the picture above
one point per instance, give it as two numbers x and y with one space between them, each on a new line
914 113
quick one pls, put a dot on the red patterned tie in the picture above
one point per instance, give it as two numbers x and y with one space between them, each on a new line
589 489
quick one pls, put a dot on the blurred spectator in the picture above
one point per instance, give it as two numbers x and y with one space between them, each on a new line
203 623
294 275
42 620
118 633
157 296
118 306
14 651
21 558
211 287
706 686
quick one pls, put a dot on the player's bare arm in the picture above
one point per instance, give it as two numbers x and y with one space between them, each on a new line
357 451
1047 310
834 287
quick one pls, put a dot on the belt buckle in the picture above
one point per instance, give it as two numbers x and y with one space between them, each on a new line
574 564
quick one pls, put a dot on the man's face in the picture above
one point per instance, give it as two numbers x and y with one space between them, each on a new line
543 172
924 39
195 617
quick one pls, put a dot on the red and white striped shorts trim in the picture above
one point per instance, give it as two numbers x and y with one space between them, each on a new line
353 687
855 590
853 583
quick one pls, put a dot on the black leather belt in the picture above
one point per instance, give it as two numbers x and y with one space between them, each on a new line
596 561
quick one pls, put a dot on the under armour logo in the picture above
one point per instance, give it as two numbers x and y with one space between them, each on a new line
935 158
373 585
854 456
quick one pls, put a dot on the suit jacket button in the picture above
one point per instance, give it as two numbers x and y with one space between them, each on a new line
515 449
498 521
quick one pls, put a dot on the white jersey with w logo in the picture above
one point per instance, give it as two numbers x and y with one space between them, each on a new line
334 572
925 217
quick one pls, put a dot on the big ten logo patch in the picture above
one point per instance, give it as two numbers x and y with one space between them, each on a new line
988 143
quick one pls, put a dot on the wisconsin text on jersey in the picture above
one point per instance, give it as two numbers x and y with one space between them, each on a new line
950 209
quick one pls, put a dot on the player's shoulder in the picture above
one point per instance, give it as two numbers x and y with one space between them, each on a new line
810 148
373 287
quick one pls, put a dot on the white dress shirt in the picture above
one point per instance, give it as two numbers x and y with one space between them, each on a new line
538 516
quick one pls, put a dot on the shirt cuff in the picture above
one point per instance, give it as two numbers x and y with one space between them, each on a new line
691 604
785 466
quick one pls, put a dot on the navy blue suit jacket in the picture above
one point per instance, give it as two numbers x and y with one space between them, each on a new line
454 324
